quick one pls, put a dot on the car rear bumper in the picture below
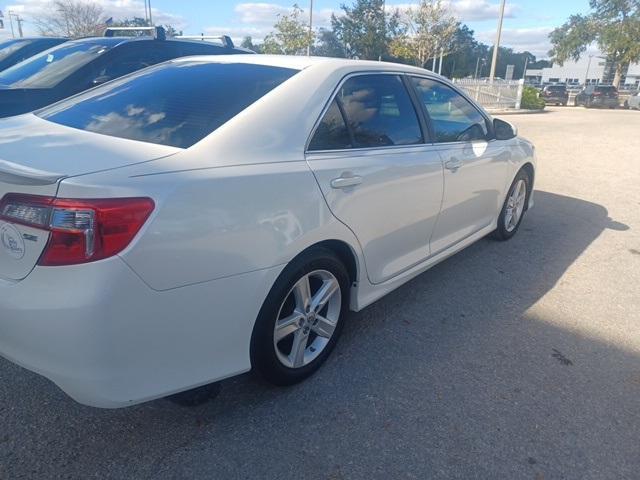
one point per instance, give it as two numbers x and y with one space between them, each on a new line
108 340
555 99
605 102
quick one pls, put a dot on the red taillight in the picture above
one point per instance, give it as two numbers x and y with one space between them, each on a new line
83 230
597 94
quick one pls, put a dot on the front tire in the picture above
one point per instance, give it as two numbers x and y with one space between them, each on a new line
514 208
301 319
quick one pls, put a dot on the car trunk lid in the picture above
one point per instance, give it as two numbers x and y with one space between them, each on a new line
35 155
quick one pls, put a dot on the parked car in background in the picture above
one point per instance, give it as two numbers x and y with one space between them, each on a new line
633 102
19 49
555 95
78 65
210 215
598 96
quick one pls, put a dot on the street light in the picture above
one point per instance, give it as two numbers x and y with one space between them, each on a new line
310 27
494 60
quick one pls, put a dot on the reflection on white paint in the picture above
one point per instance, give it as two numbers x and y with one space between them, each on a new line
479 148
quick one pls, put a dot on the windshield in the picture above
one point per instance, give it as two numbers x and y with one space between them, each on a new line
175 104
12 46
52 66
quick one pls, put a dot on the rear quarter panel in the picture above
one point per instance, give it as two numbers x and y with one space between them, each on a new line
213 223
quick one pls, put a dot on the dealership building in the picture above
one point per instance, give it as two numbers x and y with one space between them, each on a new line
589 69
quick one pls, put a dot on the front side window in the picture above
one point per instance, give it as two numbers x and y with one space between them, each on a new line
52 66
175 104
453 117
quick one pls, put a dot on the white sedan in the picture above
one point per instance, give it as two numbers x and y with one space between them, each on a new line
211 215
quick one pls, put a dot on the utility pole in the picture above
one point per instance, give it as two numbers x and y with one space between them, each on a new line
19 21
477 66
524 73
440 64
13 34
494 60
310 27
150 15
586 76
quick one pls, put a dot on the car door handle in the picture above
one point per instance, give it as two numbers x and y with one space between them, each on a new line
346 182
453 164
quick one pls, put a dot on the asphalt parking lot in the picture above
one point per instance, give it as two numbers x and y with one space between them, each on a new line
508 361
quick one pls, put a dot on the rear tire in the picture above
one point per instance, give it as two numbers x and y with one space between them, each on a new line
295 331
514 207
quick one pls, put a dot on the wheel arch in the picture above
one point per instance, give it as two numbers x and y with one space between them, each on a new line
345 254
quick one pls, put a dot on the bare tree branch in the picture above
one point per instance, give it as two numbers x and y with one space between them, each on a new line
71 18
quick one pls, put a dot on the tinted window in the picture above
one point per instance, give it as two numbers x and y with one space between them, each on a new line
52 66
557 89
332 133
606 89
12 46
174 104
130 58
453 117
379 111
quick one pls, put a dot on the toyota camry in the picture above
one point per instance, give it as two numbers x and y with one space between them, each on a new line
211 215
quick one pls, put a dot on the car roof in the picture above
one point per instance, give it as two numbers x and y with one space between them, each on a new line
303 62
32 39
115 41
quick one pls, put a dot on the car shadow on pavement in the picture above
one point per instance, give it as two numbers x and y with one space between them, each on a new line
453 375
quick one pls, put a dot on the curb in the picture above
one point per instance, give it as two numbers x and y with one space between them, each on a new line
522 111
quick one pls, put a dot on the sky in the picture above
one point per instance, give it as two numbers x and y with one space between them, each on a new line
526 26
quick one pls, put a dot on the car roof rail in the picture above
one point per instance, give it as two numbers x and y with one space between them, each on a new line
158 33
225 39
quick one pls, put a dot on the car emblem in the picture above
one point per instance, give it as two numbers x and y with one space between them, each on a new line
12 241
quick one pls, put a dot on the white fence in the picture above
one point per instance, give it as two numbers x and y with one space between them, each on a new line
498 94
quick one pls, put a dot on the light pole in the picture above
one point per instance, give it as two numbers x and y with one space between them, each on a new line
494 60
310 27
150 15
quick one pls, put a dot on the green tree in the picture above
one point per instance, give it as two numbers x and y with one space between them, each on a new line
247 42
366 30
428 29
139 22
613 24
329 45
291 35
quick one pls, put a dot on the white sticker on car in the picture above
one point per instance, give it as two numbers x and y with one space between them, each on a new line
11 241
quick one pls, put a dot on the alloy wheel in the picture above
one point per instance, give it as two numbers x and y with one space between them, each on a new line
515 205
307 318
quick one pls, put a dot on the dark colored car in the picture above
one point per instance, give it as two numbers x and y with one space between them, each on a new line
555 95
19 49
598 96
79 65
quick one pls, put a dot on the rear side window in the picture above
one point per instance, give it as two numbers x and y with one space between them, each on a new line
174 104
453 117
379 111
332 133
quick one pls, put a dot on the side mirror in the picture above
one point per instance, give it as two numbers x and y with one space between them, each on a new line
504 130
101 79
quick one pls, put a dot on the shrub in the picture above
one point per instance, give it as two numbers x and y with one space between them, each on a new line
531 99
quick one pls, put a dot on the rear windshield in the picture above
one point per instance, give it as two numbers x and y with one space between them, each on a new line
12 46
556 88
52 66
606 88
175 104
